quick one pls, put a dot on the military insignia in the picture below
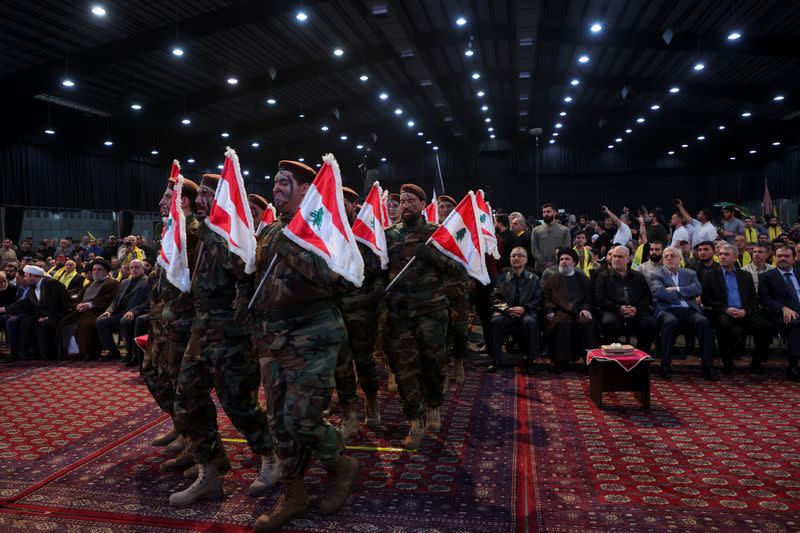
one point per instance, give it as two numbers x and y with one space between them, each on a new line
460 234
316 217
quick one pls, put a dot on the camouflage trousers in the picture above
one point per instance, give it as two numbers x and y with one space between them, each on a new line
415 346
166 342
355 356
458 321
226 363
298 359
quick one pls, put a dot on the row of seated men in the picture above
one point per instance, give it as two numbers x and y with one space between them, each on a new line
43 319
653 304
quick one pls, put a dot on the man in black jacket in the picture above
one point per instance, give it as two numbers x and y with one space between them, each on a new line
623 298
504 234
779 291
515 302
131 301
731 295
44 306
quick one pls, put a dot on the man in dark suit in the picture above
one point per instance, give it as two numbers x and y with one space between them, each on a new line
42 308
130 302
675 291
779 291
731 295
515 302
504 235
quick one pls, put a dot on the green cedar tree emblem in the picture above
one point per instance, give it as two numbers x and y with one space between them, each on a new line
483 218
460 234
316 217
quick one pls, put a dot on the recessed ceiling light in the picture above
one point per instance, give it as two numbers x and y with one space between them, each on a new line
271 101
567 99
559 125
487 120
640 120
136 107
583 59
734 35
476 76
751 152
721 127
480 94
732 158
50 131
186 121
684 146
555 134
562 114
177 51
655 107
383 159
359 146
628 130
338 52
246 172
66 82
232 81
698 67
420 134
674 90
301 115
153 152
492 136
363 77
324 128
575 82
383 96
746 114
398 111
610 146
490 129
190 160
301 16
220 167
469 52
701 137
552 141
776 143
268 177
460 21
109 142
618 140
255 144
435 147
343 137
778 98
596 27
318 165
301 159
671 152
485 108
410 123
98 11
225 134
427 142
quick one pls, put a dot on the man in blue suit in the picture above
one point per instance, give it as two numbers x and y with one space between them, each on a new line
675 292
779 292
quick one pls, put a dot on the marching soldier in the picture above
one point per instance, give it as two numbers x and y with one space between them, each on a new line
457 303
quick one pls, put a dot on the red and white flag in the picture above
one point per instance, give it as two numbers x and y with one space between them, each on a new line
385 221
321 227
487 224
767 208
431 213
368 228
230 215
173 257
459 238
269 216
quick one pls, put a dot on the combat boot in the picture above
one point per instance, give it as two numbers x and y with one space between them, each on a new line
207 486
373 408
166 438
459 371
392 385
177 464
416 432
176 446
342 476
270 474
221 461
433 420
349 425
293 503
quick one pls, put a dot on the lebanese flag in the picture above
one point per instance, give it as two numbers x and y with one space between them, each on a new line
230 216
431 213
172 257
385 210
487 226
368 228
767 207
321 227
459 238
269 216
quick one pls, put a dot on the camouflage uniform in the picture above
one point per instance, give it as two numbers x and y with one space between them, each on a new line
298 332
458 313
170 314
416 325
359 308
219 356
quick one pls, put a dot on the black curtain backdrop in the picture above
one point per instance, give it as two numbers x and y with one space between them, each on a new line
13 222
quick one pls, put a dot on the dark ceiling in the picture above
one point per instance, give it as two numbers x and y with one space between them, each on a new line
526 53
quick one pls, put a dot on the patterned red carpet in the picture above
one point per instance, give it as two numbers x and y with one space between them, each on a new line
514 454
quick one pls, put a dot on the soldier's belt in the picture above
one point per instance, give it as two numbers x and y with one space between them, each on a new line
278 315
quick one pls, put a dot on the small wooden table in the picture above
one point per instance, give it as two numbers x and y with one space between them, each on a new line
609 376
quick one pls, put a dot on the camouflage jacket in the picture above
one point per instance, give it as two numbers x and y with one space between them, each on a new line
421 289
371 291
299 281
165 295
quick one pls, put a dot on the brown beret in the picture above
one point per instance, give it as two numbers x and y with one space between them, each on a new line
410 188
210 181
189 189
448 199
393 196
260 201
349 194
301 172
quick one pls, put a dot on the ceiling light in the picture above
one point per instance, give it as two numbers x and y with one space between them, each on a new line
674 90
485 108
398 111
383 96
246 172
338 52
136 107
701 137
640 120
98 11
255 144
232 81
583 59
778 98
746 114
301 159
50 131
109 142
420 134
271 101
490 129
776 143
552 141
732 158
562 114
435 147
476 76
721 127
610 146
487 120
555 134
190 160
359 146
177 51
66 82
618 140
363 77
567 99
383 159
461 21
596 27
734 35
324 128
268 177
427 142
698 67
684 146
301 16
655 107
301 115
343 137
575 82
410 123
153 152
318 165
186 121
559 125
751 152
225 134
469 52
480 94
671 152
220 167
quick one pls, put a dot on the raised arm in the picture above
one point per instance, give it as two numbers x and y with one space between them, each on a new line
684 213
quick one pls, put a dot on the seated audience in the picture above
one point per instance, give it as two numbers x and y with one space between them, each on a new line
7 252
654 260
130 301
705 259
743 257
774 229
515 301
779 292
585 256
760 263
70 278
132 250
675 291
731 295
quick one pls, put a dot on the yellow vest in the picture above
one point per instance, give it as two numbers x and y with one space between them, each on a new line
751 235
66 279
774 232
585 263
638 255
745 260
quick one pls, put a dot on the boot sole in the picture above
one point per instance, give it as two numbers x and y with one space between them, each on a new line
220 495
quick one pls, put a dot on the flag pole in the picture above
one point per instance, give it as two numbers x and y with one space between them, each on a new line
261 283
196 264
441 178
403 270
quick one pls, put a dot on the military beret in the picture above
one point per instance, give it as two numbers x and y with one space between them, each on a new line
301 172
349 194
210 181
448 199
569 251
189 189
410 188
260 201
394 196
